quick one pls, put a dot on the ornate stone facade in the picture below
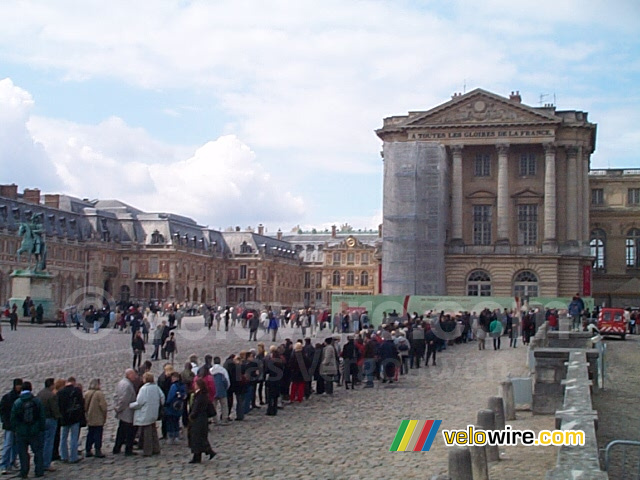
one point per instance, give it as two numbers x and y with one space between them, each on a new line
518 217
138 256
615 236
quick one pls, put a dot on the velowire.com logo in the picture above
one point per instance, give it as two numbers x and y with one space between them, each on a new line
415 435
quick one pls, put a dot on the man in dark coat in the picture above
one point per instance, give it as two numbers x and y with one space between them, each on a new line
389 358
28 424
417 340
350 355
9 450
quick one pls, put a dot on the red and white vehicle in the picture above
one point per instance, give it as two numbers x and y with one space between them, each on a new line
612 321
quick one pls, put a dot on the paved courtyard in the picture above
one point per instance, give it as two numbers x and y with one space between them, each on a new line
344 437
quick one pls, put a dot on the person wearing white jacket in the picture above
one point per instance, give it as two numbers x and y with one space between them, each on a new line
146 410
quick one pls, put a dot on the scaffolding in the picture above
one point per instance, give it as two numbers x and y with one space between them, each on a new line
415 218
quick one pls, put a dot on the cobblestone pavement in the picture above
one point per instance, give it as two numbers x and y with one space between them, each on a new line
617 404
344 437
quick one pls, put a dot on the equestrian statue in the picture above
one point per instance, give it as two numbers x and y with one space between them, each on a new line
33 243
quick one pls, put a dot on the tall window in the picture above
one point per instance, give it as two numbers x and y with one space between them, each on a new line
479 284
633 196
336 258
154 266
597 243
335 278
243 272
364 279
633 248
597 196
482 225
125 268
527 224
307 279
318 279
351 258
482 165
525 284
350 278
528 165
364 259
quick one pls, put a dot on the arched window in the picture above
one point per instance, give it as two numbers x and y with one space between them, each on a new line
195 294
597 243
633 248
479 284
364 279
336 278
525 284
350 278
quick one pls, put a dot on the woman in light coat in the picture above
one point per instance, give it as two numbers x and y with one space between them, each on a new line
95 406
145 414
329 365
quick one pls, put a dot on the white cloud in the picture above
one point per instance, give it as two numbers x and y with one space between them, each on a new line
22 159
221 183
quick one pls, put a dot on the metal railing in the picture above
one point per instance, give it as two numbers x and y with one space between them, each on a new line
624 469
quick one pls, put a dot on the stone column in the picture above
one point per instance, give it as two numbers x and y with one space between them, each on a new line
550 195
573 216
503 193
579 199
585 159
456 194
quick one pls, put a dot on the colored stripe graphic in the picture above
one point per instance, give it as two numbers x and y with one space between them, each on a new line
399 434
407 435
432 435
411 447
423 435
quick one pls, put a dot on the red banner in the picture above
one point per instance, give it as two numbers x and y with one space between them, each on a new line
586 281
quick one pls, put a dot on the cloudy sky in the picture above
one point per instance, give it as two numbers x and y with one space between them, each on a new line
245 112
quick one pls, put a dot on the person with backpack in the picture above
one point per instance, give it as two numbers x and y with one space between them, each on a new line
9 451
96 407
28 423
174 407
71 406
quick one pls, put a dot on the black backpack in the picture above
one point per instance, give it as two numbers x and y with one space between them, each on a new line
30 413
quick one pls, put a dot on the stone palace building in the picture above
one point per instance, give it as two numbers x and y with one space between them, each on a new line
484 195
138 256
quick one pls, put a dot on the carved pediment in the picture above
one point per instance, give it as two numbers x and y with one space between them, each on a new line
482 194
527 193
480 108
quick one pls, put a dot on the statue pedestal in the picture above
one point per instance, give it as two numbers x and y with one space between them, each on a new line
37 285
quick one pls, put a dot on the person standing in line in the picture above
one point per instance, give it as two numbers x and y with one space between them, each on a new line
199 423
254 324
328 365
145 414
125 394
96 407
28 423
222 383
175 405
52 415
9 450
71 406
157 339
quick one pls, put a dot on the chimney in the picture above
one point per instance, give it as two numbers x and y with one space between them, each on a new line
515 97
279 234
237 229
260 229
31 195
333 231
380 231
52 200
9 191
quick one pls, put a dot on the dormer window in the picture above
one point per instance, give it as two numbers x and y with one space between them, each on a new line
157 238
245 248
